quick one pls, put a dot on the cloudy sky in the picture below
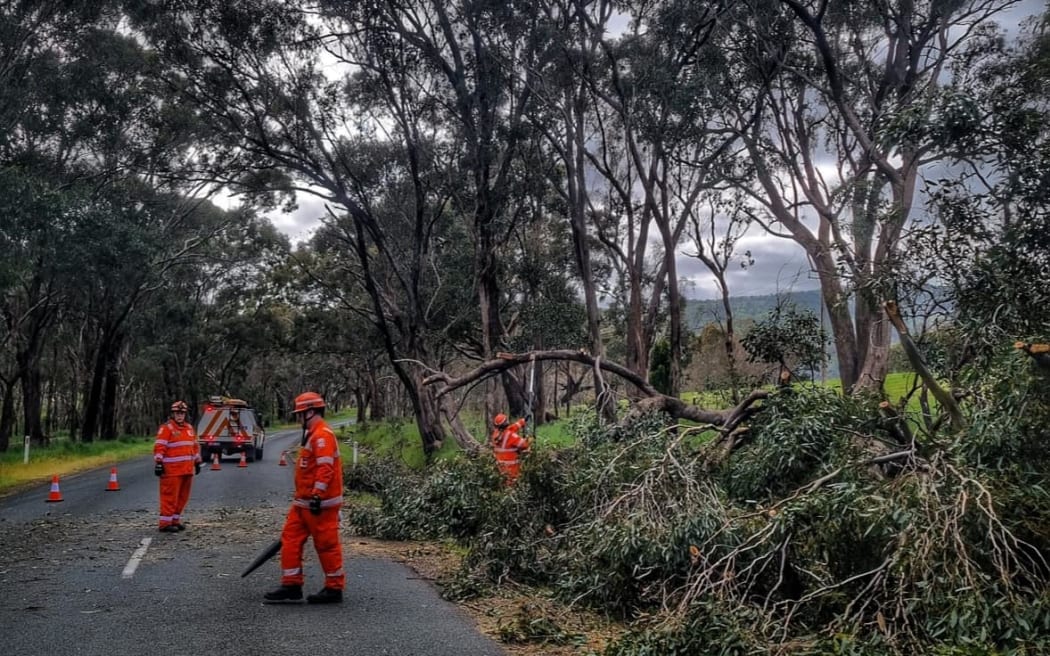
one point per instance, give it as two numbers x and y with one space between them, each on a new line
779 264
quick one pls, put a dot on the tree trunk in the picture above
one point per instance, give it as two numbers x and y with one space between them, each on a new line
554 392
874 329
637 358
539 403
7 416
463 438
362 406
428 418
842 328
377 403
31 402
73 411
109 400
730 336
576 180
93 398
516 394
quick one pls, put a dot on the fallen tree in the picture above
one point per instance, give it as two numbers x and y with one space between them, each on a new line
831 529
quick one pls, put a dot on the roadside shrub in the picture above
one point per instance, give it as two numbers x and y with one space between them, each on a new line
448 500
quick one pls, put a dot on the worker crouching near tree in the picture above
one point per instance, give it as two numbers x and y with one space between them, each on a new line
507 446
177 458
314 512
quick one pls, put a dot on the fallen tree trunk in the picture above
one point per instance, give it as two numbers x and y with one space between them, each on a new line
654 401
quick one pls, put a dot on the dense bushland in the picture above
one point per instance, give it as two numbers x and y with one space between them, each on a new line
821 533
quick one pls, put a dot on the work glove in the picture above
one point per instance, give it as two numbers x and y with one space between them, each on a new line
196 468
315 505
158 469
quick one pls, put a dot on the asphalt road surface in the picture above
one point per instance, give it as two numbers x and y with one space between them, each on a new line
92 575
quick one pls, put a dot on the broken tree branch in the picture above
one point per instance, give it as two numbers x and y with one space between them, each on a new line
943 397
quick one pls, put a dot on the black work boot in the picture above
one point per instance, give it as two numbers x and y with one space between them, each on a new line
284 594
179 527
326 596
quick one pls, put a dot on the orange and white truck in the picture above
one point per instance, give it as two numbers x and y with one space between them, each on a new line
229 427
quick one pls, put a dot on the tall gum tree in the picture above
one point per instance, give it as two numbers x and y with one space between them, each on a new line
466 56
315 105
827 98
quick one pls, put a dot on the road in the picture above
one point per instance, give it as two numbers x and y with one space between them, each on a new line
70 582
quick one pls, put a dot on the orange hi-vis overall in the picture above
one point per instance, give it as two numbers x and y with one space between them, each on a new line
176 447
319 473
497 434
507 446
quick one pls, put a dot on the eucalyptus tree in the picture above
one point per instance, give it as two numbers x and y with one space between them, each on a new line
219 323
631 128
37 226
832 101
989 244
466 60
398 116
127 253
572 32
85 124
715 230
657 152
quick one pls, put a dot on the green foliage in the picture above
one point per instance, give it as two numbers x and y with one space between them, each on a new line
798 434
789 337
660 366
713 627
451 500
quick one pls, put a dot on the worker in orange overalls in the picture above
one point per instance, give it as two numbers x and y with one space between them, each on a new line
508 445
176 458
315 509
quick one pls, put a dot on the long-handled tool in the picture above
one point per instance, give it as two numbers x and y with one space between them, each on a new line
264 556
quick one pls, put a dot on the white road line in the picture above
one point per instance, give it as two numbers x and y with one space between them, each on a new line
136 558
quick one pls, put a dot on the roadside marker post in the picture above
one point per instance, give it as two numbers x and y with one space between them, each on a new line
25 458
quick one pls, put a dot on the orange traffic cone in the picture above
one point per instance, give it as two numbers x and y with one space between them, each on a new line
244 460
215 462
283 462
113 486
55 494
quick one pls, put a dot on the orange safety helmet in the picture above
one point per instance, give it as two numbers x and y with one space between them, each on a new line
180 406
500 420
307 400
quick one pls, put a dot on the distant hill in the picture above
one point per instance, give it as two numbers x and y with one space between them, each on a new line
700 312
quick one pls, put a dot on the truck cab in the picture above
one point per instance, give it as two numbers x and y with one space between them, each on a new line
229 427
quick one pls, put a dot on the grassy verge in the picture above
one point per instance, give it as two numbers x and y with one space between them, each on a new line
63 458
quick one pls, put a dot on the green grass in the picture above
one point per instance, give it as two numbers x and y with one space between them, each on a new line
62 458
896 387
